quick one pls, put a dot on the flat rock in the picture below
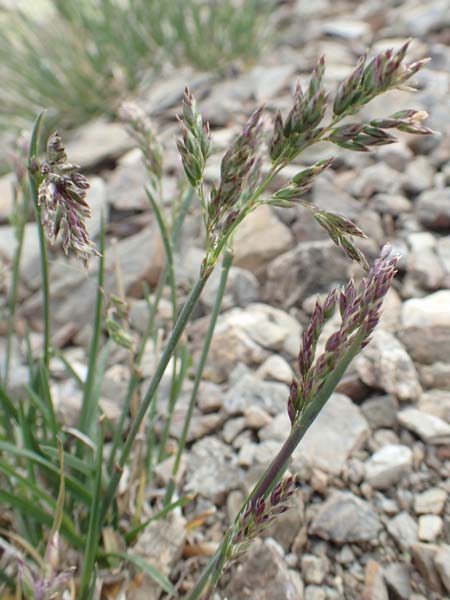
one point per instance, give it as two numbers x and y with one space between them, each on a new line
126 185
242 289
96 142
403 529
374 586
431 310
262 576
388 465
442 563
424 264
429 428
212 469
345 518
254 246
386 365
339 414
437 403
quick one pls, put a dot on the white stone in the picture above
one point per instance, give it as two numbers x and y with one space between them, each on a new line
430 501
442 562
386 365
275 368
433 309
430 527
388 465
431 429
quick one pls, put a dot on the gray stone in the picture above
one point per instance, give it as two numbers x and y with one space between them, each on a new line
276 368
380 411
313 267
430 527
347 29
126 186
267 326
254 247
138 258
427 344
249 391
403 529
419 175
339 414
398 579
388 466
442 562
242 289
345 518
262 576
160 544
312 569
431 501
390 204
97 142
315 592
437 403
423 262
433 309
286 526
385 365
423 556
378 178
433 209
212 469
429 428
436 375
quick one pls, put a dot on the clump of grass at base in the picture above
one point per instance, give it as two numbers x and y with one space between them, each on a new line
81 59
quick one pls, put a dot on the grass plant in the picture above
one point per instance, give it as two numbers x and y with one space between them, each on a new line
61 484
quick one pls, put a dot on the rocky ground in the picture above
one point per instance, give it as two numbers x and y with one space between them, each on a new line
371 515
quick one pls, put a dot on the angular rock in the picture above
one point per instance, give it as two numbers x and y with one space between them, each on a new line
437 403
429 428
423 556
312 267
388 466
374 586
435 376
345 518
433 309
427 344
419 175
287 525
398 579
249 391
378 178
431 501
262 576
312 569
380 411
267 326
276 368
161 545
430 528
433 209
242 289
442 563
324 446
212 469
403 529
386 365
126 185
260 238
